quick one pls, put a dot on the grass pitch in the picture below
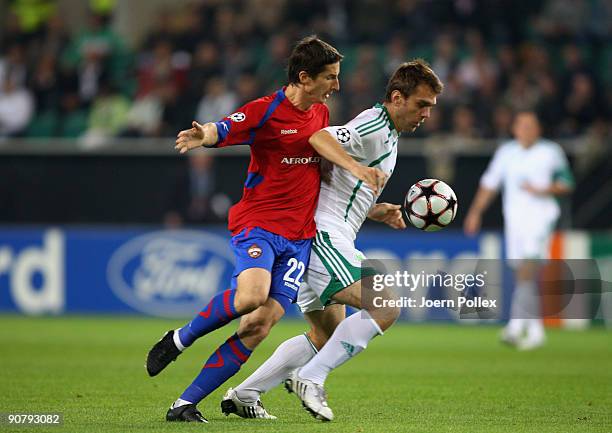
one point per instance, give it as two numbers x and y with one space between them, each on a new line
416 378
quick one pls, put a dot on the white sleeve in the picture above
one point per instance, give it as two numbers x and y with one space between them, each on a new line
561 168
493 175
349 139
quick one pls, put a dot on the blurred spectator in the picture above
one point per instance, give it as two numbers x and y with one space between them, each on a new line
478 66
217 101
521 95
549 106
247 88
582 105
552 56
271 68
502 123
145 115
16 106
445 59
161 65
13 65
97 53
192 197
44 83
205 64
562 19
594 146
107 117
395 54
464 135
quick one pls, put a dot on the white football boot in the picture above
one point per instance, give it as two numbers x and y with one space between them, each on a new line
232 404
313 396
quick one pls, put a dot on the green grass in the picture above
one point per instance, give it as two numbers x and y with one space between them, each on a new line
417 378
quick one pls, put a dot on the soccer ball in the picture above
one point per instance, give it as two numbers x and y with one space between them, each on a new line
430 205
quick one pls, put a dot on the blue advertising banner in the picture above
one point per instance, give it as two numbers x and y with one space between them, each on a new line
170 273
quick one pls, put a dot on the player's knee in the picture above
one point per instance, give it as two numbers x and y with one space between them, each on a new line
249 300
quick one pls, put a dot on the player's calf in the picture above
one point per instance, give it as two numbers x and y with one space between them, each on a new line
255 326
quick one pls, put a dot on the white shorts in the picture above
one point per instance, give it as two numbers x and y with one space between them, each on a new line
528 241
335 264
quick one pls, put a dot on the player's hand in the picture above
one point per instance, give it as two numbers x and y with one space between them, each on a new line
390 214
471 225
533 190
190 138
371 176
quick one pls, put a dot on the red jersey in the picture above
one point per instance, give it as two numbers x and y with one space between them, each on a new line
282 185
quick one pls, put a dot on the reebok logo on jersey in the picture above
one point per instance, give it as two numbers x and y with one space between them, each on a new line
288 131
254 251
348 347
309 160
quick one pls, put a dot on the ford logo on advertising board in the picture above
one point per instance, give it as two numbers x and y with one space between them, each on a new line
170 273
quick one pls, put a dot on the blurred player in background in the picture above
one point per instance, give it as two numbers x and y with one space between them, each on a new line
333 278
533 172
272 225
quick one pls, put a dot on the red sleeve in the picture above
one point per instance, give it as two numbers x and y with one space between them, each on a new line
239 127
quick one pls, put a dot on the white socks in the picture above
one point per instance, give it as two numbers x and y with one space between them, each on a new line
291 354
179 402
177 340
350 337
525 313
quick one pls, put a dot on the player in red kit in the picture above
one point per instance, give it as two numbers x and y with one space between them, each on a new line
273 224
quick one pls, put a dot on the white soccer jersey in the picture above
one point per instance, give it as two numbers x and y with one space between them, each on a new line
539 165
344 203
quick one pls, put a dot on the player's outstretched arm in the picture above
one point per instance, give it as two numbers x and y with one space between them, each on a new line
556 189
483 199
390 214
330 149
197 136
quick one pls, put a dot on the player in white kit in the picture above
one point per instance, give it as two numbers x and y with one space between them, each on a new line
532 173
333 277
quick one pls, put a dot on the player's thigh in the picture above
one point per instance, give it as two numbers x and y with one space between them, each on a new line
252 287
289 269
335 264
527 241
255 254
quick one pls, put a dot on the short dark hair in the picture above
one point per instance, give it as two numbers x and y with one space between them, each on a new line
409 75
311 55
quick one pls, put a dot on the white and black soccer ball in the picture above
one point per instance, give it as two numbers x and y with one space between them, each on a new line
430 205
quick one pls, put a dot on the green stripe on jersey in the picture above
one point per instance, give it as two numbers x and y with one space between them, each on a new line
359 183
368 123
375 128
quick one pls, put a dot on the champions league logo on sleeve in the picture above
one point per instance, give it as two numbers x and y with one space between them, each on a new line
169 273
238 116
343 135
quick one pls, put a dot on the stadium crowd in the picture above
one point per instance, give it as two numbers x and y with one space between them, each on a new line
205 59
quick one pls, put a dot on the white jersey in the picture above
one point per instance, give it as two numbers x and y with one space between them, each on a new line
371 139
539 165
